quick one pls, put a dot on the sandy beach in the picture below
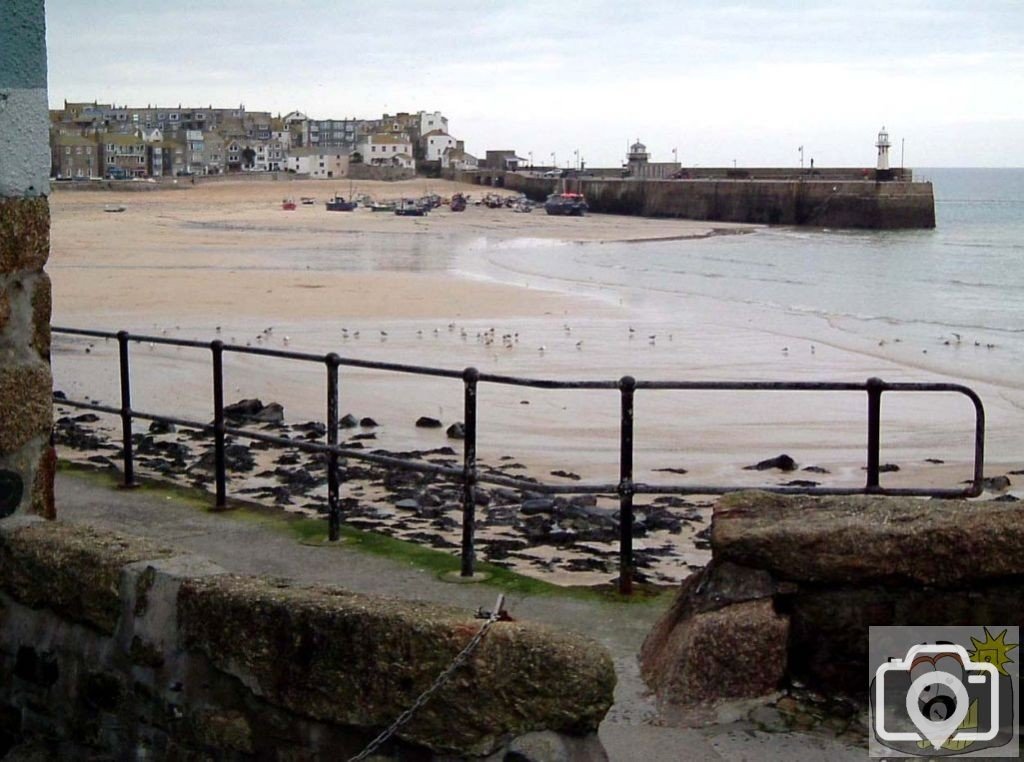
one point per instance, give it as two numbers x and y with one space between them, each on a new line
222 260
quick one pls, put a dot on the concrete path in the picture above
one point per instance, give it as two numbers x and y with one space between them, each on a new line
629 732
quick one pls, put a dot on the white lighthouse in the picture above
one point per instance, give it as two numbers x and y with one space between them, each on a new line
883 145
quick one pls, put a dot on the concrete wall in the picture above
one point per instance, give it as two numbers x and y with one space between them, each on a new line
841 204
26 457
112 647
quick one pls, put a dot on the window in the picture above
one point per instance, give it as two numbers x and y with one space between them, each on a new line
67 150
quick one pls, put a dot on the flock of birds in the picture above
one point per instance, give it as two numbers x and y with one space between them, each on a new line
490 337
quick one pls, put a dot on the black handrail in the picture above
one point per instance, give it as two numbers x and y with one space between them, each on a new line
468 475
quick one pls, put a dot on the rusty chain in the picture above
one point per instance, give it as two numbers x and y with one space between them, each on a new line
444 677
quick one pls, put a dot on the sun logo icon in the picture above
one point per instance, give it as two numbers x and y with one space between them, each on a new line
992 650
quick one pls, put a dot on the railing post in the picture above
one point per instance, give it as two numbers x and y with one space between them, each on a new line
874 389
470 376
627 385
333 504
126 409
219 424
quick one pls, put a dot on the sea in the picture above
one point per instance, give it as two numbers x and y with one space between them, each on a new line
948 300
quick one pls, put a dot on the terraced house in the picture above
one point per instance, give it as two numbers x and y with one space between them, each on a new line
75 156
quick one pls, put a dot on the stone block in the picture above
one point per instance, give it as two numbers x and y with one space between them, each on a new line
43 501
355 660
72 570
735 652
42 305
5 309
24 234
26 410
861 540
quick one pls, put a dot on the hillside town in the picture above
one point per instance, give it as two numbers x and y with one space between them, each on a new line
96 140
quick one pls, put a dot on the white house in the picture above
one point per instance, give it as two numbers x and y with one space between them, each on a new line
320 163
432 120
435 143
386 150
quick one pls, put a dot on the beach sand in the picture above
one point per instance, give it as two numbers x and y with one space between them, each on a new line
222 260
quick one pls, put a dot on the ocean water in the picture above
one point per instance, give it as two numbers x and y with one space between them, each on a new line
948 301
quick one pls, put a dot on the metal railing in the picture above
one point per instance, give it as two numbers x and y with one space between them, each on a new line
468 475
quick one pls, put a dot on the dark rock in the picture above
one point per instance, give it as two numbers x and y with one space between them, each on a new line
815 470
456 431
537 505
289 459
362 437
59 395
368 423
425 422
255 410
409 504
671 470
566 475
1005 499
162 427
348 421
936 461
782 462
86 418
586 565
996 483
800 483
314 428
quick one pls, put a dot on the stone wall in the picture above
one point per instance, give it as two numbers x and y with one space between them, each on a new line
371 172
112 647
26 457
818 203
795 582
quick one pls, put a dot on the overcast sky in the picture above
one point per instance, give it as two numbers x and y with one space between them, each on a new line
748 82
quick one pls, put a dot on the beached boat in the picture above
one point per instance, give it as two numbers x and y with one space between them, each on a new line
339 204
409 207
113 208
383 206
307 200
288 204
523 206
458 203
572 204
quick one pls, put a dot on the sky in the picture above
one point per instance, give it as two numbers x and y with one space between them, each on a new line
711 83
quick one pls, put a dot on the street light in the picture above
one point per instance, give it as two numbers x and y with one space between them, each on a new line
531 159
553 162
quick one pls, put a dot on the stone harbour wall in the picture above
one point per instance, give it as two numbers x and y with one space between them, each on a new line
27 460
815 202
115 647
795 583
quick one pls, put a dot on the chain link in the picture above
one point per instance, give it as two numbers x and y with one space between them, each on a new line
443 678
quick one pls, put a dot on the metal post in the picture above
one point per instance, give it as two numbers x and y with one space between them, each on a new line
470 376
333 504
874 389
126 409
219 424
627 385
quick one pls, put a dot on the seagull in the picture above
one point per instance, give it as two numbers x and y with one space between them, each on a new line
579 344
541 348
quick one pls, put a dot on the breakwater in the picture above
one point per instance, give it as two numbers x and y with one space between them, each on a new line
812 200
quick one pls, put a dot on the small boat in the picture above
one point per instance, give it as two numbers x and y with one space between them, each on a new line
385 206
458 203
408 207
523 206
572 204
339 204
288 204
307 200
493 201
113 208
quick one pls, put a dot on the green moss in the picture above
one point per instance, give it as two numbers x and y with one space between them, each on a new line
307 529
